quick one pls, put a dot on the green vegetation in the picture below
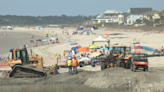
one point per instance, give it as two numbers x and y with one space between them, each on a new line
41 20
151 22
105 24
144 21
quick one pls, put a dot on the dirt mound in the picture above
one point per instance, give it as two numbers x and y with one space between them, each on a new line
112 78
118 78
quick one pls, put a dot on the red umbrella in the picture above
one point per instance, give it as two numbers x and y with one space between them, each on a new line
138 47
105 34
85 49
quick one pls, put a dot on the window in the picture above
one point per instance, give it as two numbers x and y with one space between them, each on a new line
17 55
102 20
120 50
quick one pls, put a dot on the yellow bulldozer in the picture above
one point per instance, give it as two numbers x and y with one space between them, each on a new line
117 58
24 65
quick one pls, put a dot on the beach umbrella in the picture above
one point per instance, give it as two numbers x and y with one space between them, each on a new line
67 41
94 54
106 34
146 48
93 47
73 43
85 49
104 48
69 55
45 40
138 47
110 48
53 38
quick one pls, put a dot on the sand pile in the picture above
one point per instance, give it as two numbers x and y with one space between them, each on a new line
118 78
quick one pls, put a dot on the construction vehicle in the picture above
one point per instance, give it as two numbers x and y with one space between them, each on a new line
116 58
24 65
120 56
139 60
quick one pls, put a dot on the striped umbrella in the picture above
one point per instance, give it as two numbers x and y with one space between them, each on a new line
94 54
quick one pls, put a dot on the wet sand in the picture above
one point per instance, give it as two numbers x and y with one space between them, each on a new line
16 40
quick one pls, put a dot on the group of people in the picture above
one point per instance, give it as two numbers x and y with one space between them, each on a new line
72 63
31 36
7 58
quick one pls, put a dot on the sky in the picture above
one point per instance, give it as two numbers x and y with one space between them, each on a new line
72 7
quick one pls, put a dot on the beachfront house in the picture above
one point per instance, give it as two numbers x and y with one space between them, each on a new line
137 13
110 16
151 15
161 13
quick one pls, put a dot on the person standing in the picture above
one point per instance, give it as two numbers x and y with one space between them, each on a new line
103 50
56 39
24 46
64 53
69 64
57 56
162 50
74 64
8 56
73 52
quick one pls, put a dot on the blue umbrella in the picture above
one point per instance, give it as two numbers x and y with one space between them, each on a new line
145 47
73 43
69 55
53 38
110 48
104 48
67 41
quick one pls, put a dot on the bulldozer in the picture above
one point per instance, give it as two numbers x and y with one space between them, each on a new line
25 65
117 58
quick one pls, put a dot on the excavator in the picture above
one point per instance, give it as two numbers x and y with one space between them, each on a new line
25 65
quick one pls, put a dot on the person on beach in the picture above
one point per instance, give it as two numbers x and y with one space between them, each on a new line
8 56
64 53
162 50
74 64
21 46
36 45
57 56
56 39
24 45
69 64
103 50
29 36
73 52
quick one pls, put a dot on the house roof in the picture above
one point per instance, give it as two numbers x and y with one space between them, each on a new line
139 10
112 11
151 12
161 13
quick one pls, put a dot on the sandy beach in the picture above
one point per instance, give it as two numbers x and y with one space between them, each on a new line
154 41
